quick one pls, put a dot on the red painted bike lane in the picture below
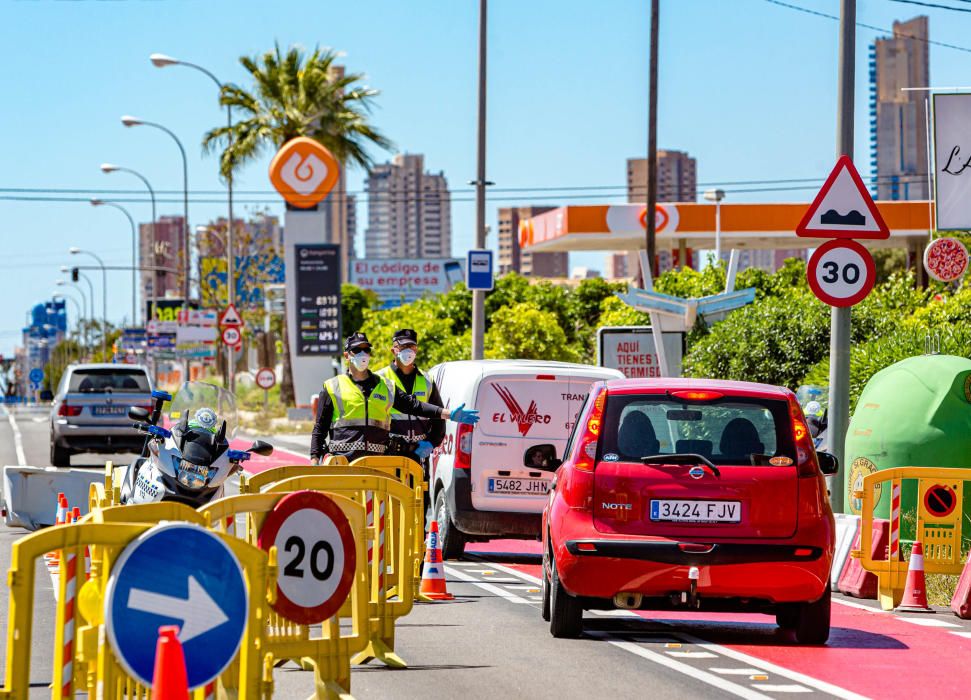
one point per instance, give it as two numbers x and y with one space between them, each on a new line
872 653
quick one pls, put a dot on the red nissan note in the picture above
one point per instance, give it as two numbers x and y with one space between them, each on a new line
692 494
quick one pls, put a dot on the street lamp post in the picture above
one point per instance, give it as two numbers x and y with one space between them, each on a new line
104 296
717 196
111 168
84 305
77 306
134 121
134 254
160 60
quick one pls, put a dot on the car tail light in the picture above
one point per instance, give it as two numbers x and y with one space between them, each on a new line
697 395
805 449
68 410
587 445
463 446
546 377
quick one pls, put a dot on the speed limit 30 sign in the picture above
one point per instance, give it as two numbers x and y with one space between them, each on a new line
841 273
316 556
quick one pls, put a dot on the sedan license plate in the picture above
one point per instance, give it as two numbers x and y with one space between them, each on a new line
109 410
696 511
519 487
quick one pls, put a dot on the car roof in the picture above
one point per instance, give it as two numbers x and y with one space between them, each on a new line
654 386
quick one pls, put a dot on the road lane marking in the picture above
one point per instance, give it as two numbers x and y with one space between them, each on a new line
769 667
966 635
858 606
736 671
782 688
928 622
692 654
17 439
511 597
683 668
509 570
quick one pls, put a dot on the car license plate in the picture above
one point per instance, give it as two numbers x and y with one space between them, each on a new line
109 410
696 511
519 487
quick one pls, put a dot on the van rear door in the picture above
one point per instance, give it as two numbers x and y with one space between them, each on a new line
517 411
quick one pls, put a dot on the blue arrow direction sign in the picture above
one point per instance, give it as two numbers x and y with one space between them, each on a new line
36 375
177 574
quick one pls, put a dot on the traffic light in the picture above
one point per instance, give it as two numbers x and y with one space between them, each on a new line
74 274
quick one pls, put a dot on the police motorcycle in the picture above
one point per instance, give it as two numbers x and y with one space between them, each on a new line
189 461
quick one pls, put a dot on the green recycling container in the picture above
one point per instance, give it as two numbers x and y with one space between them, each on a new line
915 413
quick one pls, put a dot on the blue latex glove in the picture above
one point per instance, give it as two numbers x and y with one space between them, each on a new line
423 449
469 416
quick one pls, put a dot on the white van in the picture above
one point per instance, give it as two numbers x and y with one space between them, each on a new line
480 488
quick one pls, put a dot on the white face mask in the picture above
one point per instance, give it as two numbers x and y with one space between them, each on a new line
360 361
407 356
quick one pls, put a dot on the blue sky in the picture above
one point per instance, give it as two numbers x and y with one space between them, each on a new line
747 87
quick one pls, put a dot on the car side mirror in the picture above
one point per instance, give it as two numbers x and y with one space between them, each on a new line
139 414
828 464
261 448
542 457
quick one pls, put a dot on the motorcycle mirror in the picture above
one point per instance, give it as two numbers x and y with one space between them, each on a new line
221 435
261 448
138 413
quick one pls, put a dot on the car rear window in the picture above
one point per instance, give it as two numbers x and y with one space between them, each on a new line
117 380
730 430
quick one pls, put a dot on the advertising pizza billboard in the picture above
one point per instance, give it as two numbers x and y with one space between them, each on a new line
631 350
399 281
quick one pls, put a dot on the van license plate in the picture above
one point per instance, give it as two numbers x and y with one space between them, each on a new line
519 487
696 511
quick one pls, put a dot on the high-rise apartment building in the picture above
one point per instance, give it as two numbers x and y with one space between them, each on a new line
677 181
898 127
511 256
409 211
617 267
169 253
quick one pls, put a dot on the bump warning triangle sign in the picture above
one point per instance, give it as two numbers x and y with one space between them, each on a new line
843 208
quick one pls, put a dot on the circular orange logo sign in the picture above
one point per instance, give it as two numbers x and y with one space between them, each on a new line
304 172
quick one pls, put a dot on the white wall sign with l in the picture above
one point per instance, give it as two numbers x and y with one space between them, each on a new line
952 161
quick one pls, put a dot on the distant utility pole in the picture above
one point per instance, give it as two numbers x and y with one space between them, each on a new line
478 296
649 215
839 340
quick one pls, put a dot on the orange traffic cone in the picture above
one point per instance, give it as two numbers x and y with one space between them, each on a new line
60 517
433 572
170 681
915 591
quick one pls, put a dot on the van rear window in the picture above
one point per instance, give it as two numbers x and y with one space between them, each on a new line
116 380
731 430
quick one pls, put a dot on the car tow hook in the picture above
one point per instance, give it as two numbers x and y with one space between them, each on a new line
693 575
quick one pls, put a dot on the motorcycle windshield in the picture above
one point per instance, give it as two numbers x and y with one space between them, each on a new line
206 406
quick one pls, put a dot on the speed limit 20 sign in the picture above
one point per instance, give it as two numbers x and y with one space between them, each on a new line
841 273
315 553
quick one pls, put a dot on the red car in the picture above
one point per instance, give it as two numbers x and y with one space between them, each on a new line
690 494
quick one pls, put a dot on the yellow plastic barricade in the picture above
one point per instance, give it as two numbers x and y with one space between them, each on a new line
939 520
84 662
401 504
402 469
330 653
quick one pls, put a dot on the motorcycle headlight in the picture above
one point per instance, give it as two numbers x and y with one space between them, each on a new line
193 476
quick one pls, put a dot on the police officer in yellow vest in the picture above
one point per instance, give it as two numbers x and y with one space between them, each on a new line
354 410
412 436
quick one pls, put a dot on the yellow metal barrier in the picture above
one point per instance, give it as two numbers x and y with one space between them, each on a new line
85 662
330 654
401 503
939 525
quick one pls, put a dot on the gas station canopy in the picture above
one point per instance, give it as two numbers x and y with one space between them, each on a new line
621 227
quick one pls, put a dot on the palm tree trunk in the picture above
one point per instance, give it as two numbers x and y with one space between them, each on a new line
286 381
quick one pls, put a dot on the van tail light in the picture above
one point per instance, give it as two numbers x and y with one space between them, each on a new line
806 464
68 410
587 445
463 446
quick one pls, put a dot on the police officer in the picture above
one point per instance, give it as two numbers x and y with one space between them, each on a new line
412 436
354 410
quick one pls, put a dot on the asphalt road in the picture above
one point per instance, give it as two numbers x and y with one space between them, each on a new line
491 642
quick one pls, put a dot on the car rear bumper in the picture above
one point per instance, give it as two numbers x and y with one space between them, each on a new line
95 438
764 572
487 523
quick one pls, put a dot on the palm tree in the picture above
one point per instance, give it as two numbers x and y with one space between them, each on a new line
295 94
